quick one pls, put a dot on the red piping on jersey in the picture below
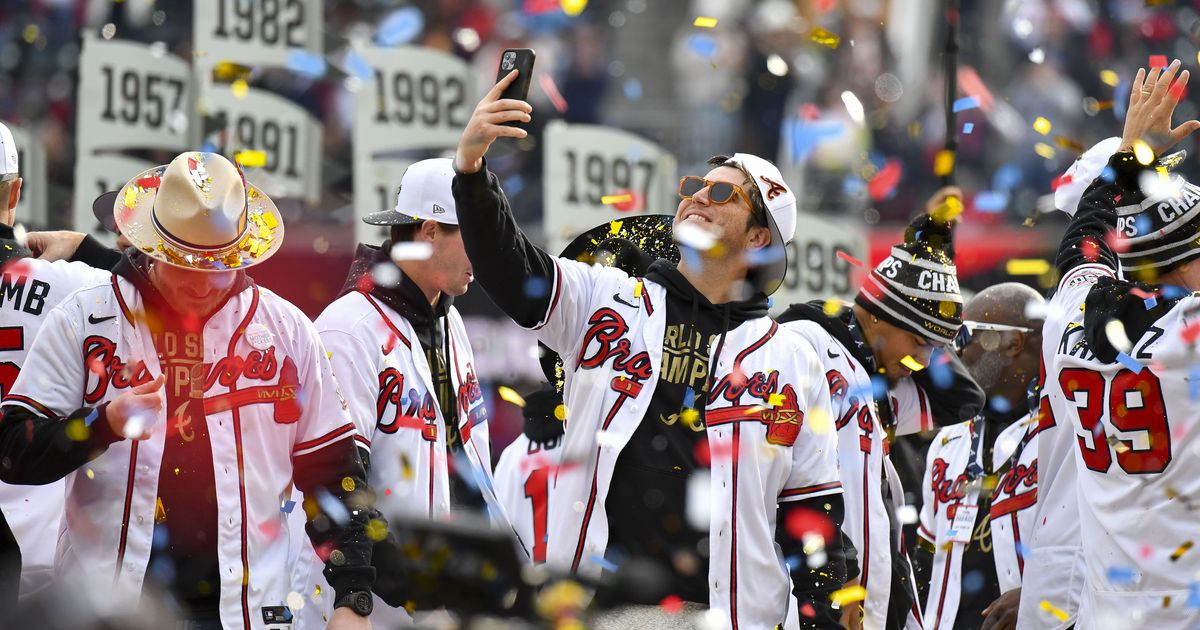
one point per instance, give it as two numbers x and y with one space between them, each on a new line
557 294
737 439
125 513
587 514
756 345
121 301
937 620
362 439
866 563
237 432
388 321
325 439
37 406
1017 545
926 423
432 467
1013 504
796 493
646 299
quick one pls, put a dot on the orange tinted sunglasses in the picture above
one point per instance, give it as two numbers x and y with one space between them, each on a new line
720 192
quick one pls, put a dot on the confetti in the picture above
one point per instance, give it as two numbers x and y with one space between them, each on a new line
411 250
615 199
1041 125
287 507
306 63
355 65
968 128
1058 613
1114 330
848 258
848 595
943 164
949 210
671 604
295 601
832 307
991 201
1027 267
1109 78
1044 150
1158 61
332 508
240 89
1179 551
884 183
965 103
1129 362
705 22
573 7
703 45
551 91
510 395
1143 152
400 27
911 363
824 37
251 159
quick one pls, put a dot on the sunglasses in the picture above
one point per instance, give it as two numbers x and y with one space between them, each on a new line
966 333
719 192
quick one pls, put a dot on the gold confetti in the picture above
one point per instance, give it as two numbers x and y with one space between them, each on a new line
90 474
1044 150
608 200
848 595
560 412
951 208
1182 549
1027 267
637 289
1109 78
240 88
347 484
77 430
946 308
31 33
510 395
573 7
251 159
825 38
705 22
911 363
160 513
376 530
1041 125
819 421
1058 613
832 307
775 400
943 163
614 227
1143 152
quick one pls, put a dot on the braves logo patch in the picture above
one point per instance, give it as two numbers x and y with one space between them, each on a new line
784 420
775 189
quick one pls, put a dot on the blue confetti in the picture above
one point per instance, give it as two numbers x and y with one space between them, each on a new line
972 582
689 399
793 563
514 185
1108 174
806 135
288 507
307 63
400 27
633 89
854 186
1007 177
604 563
764 255
160 538
332 507
965 103
1000 404
1173 291
1122 575
991 201
1194 383
1129 362
690 256
536 287
940 373
357 66
703 45
1143 224
1150 302
968 128
879 387
209 147
1193 600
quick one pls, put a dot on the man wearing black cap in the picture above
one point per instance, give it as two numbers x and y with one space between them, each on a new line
666 371
875 355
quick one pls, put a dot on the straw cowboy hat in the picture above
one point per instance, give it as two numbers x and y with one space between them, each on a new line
198 212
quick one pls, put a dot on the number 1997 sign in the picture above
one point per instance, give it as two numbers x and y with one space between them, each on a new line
255 32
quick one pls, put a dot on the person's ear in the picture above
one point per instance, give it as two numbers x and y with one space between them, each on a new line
14 193
761 237
428 230
1015 344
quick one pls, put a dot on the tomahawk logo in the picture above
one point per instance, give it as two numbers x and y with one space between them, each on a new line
775 189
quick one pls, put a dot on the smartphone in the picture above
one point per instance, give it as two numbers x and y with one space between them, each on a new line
517 59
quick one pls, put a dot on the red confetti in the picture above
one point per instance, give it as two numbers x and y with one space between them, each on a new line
671 604
551 90
635 201
848 258
149 182
801 521
1061 180
885 180
1090 250
1142 293
808 611
1190 332
1158 61
808 111
1178 91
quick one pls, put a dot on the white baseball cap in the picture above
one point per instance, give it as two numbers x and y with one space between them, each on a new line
781 215
8 153
424 195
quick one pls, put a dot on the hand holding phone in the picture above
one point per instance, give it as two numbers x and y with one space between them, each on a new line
488 122
520 59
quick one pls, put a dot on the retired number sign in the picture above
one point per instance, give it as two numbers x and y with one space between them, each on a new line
815 270
129 98
255 32
596 174
96 176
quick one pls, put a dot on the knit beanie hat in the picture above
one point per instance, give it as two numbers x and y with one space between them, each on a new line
1158 216
916 287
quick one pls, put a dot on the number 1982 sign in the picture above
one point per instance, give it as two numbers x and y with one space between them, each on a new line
596 174
255 32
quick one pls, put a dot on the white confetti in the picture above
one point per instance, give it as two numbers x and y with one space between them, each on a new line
689 234
610 439
411 251
20 235
699 499
295 601
1115 331
907 514
385 275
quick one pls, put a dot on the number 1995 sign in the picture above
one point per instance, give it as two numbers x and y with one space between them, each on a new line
595 174
254 32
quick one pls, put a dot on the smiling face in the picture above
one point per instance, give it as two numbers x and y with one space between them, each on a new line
731 221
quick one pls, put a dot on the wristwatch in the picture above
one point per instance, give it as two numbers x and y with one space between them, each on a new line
360 602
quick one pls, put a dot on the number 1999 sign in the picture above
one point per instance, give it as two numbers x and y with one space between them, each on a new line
254 32
596 174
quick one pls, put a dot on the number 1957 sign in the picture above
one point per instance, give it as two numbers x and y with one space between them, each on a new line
255 32
596 174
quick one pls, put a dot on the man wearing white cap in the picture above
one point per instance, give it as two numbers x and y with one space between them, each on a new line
403 360
696 424
29 290
204 399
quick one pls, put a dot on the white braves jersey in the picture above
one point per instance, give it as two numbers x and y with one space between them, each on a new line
1054 564
252 392
944 490
383 372
767 384
1136 429
29 289
523 486
862 451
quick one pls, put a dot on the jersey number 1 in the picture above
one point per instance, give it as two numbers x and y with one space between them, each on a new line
537 486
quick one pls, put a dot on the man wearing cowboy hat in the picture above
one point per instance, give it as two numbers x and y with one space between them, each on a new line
401 355
29 290
668 375
205 399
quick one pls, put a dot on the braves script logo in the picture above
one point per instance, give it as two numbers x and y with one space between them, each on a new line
418 414
604 340
758 385
106 369
854 408
946 491
775 189
838 385
1016 478
469 398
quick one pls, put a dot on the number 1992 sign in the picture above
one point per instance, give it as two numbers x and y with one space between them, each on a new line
595 174
254 32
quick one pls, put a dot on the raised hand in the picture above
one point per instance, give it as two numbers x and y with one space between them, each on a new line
1152 101
485 125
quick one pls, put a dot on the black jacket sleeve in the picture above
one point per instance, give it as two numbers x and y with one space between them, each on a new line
36 450
94 254
1085 240
960 400
330 476
516 275
814 586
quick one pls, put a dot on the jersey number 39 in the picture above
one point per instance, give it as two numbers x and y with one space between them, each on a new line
1134 411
